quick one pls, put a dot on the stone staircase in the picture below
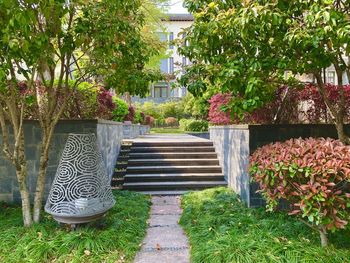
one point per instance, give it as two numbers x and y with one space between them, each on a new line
168 167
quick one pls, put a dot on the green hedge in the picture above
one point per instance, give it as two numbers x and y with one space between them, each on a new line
193 125
121 109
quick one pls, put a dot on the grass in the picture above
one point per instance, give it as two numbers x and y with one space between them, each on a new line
171 130
166 131
116 238
221 229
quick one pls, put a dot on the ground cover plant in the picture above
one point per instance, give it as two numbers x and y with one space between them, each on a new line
312 175
117 238
222 229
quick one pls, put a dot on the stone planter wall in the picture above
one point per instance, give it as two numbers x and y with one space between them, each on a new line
109 135
235 143
132 131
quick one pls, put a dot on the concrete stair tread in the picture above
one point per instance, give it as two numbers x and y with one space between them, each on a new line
172 166
172 146
176 183
173 155
172 175
169 159
173 143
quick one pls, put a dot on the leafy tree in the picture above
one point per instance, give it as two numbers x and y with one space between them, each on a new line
47 43
245 48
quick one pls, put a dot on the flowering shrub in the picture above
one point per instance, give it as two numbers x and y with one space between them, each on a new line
312 175
216 114
171 121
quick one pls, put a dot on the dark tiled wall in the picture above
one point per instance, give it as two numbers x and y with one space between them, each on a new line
9 191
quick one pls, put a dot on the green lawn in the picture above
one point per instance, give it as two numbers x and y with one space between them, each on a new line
221 229
166 130
116 238
169 131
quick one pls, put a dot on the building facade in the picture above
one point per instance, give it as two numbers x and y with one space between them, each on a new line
173 65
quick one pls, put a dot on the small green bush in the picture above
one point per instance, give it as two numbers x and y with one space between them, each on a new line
121 109
193 125
138 117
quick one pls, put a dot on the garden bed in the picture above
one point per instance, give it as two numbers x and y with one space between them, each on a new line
222 229
116 238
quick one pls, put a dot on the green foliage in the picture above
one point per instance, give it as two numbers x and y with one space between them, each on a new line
245 47
193 125
222 229
121 109
196 107
138 117
171 109
163 110
116 238
149 108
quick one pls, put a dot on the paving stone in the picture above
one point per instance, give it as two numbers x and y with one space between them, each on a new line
165 237
166 200
165 241
163 220
166 209
181 256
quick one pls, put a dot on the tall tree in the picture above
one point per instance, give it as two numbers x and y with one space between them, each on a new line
46 43
245 47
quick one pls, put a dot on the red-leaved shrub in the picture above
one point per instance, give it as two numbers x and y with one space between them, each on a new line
288 105
216 115
312 175
149 120
131 114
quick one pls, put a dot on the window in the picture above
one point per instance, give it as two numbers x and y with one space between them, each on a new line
164 66
160 91
171 39
162 36
331 77
171 65
184 61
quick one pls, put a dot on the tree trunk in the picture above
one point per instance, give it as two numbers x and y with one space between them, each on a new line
127 98
27 216
323 237
337 114
40 185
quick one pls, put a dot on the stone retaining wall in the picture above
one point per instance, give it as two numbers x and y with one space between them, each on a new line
109 136
235 143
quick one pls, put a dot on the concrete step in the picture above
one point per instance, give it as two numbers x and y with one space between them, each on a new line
117 181
155 186
171 162
182 149
172 143
174 155
173 169
173 177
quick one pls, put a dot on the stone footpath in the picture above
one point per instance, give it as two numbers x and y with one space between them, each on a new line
165 241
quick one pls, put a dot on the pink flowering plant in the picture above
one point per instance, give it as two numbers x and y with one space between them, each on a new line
312 175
